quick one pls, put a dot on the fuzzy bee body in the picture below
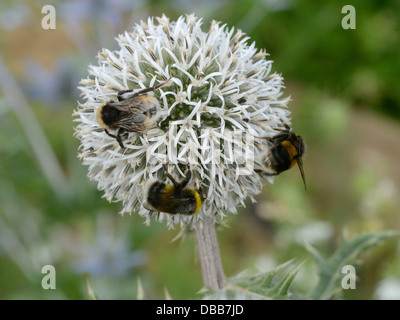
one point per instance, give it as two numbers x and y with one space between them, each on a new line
137 113
173 199
286 149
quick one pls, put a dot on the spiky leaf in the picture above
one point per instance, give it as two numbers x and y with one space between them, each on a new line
331 269
270 285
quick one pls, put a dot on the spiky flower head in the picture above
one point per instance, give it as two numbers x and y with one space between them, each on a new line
220 96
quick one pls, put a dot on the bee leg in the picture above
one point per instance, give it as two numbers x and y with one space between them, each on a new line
117 137
151 89
286 126
176 183
188 175
120 93
276 137
109 134
264 172
264 138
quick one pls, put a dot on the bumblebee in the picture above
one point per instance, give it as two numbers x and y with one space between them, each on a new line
286 149
176 198
137 113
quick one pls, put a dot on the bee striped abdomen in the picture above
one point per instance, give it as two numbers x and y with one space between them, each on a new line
291 151
166 198
189 203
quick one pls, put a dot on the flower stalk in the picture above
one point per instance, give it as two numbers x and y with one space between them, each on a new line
210 259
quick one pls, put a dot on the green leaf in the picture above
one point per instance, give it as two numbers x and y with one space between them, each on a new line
286 282
260 286
321 263
331 269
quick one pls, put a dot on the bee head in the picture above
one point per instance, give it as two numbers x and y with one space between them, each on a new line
300 147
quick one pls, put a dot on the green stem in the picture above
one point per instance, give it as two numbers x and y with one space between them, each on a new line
207 245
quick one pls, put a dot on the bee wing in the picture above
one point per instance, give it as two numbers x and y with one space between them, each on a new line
128 105
133 117
171 196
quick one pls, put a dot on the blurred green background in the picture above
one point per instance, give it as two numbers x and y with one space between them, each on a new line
345 103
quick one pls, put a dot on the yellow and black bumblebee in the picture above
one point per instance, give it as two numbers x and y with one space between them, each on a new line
286 149
137 113
173 199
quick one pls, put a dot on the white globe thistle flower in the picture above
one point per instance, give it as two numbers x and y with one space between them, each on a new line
219 97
